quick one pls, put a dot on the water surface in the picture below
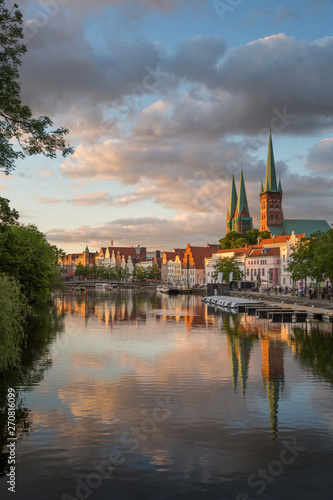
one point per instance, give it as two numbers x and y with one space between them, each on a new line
144 396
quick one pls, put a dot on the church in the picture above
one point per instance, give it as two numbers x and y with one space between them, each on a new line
271 212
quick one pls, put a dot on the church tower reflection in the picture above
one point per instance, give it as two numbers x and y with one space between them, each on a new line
273 377
239 350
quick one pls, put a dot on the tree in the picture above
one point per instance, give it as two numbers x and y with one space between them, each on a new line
154 273
141 273
227 265
229 240
301 261
17 125
80 270
13 309
26 255
238 240
323 254
8 216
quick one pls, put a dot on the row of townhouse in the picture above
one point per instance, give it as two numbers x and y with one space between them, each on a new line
186 265
124 257
265 263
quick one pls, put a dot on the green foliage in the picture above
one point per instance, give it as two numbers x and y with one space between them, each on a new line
323 254
26 255
238 240
141 273
154 273
8 216
229 240
313 258
314 351
13 309
226 265
17 125
300 261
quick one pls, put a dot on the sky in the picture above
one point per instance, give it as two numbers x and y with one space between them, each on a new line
164 101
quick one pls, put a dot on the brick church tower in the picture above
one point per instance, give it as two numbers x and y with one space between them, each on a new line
271 213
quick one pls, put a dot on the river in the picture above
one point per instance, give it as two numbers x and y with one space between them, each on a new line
128 396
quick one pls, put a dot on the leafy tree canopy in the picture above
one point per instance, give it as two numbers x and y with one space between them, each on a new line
8 216
13 308
26 255
238 240
227 265
21 134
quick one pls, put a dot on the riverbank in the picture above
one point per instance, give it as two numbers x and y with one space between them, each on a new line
321 306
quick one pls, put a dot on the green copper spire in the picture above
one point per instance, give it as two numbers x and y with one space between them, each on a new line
233 198
270 177
280 187
87 249
261 188
242 199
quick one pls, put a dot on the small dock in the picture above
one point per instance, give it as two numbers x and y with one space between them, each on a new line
272 311
236 304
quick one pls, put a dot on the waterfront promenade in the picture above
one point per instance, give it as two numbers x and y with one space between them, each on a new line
321 306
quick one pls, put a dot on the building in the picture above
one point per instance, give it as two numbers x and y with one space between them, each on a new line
124 257
193 265
171 266
72 260
286 245
238 214
151 254
262 265
210 262
271 211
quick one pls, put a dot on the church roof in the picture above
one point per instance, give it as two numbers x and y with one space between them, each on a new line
299 226
270 177
242 198
233 198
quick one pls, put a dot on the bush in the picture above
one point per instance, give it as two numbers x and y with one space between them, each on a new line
13 310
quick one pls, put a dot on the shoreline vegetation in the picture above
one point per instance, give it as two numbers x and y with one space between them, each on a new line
28 274
28 269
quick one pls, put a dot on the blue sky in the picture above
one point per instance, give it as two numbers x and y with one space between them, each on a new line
164 101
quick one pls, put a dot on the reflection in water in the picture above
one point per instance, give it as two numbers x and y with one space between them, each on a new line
42 329
233 383
313 348
273 377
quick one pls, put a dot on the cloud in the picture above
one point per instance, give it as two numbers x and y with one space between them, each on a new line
196 59
253 15
179 230
283 14
49 201
3 188
320 157
93 199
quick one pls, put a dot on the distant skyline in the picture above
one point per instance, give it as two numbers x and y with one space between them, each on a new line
164 101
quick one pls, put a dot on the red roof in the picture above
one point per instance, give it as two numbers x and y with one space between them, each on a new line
279 239
126 251
263 252
237 251
173 255
198 254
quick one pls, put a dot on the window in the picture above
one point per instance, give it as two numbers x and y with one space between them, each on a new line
284 258
284 281
247 272
255 272
263 272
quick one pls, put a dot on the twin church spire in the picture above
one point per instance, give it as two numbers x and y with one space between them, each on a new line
238 214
